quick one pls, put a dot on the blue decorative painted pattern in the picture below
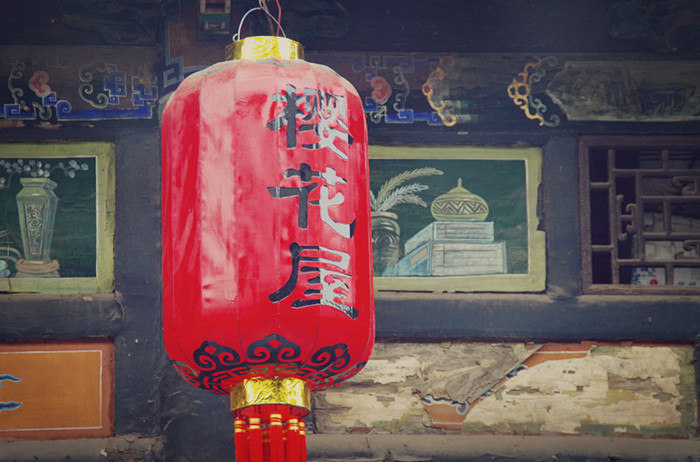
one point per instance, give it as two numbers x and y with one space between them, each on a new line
67 84
10 405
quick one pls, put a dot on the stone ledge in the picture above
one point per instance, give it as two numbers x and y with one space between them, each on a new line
126 448
434 448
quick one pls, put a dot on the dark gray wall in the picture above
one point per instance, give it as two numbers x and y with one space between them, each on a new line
160 417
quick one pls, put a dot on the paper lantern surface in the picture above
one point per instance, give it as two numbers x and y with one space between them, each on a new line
267 266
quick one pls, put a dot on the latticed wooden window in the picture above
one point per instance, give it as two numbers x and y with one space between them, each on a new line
640 214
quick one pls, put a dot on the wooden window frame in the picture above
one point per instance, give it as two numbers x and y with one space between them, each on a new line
624 221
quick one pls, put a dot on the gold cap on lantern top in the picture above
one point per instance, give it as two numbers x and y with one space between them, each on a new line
289 391
261 47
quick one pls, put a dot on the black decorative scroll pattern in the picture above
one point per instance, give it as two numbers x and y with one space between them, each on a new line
216 365
273 348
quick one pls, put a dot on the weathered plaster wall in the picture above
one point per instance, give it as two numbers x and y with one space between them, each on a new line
514 388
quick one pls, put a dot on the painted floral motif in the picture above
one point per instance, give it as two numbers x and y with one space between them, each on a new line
36 169
381 89
38 83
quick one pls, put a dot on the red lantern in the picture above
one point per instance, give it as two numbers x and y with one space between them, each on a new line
267 271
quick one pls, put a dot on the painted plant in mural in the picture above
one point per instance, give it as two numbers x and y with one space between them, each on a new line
385 225
36 205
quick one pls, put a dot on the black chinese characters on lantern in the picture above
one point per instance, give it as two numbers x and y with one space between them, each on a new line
267 266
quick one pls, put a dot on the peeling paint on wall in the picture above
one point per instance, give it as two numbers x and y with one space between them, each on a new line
577 389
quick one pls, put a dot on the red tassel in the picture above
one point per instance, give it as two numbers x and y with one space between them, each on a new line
292 449
270 433
302 440
265 427
240 439
276 438
255 439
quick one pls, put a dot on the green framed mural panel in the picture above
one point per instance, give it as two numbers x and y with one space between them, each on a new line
57 217
456 219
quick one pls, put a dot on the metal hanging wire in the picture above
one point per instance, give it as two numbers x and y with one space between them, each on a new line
262 7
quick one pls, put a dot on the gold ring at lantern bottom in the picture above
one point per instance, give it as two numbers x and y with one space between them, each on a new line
285 391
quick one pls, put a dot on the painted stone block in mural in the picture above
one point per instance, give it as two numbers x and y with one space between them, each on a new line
587 388
56 217
456 219
56 390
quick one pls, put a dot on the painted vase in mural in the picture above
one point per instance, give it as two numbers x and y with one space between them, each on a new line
36 205
385 241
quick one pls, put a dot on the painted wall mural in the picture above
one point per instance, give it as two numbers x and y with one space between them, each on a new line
634 91
394 94
461 218
56 217
61 84
473 91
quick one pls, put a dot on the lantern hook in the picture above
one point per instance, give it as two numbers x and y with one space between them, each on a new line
237 35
